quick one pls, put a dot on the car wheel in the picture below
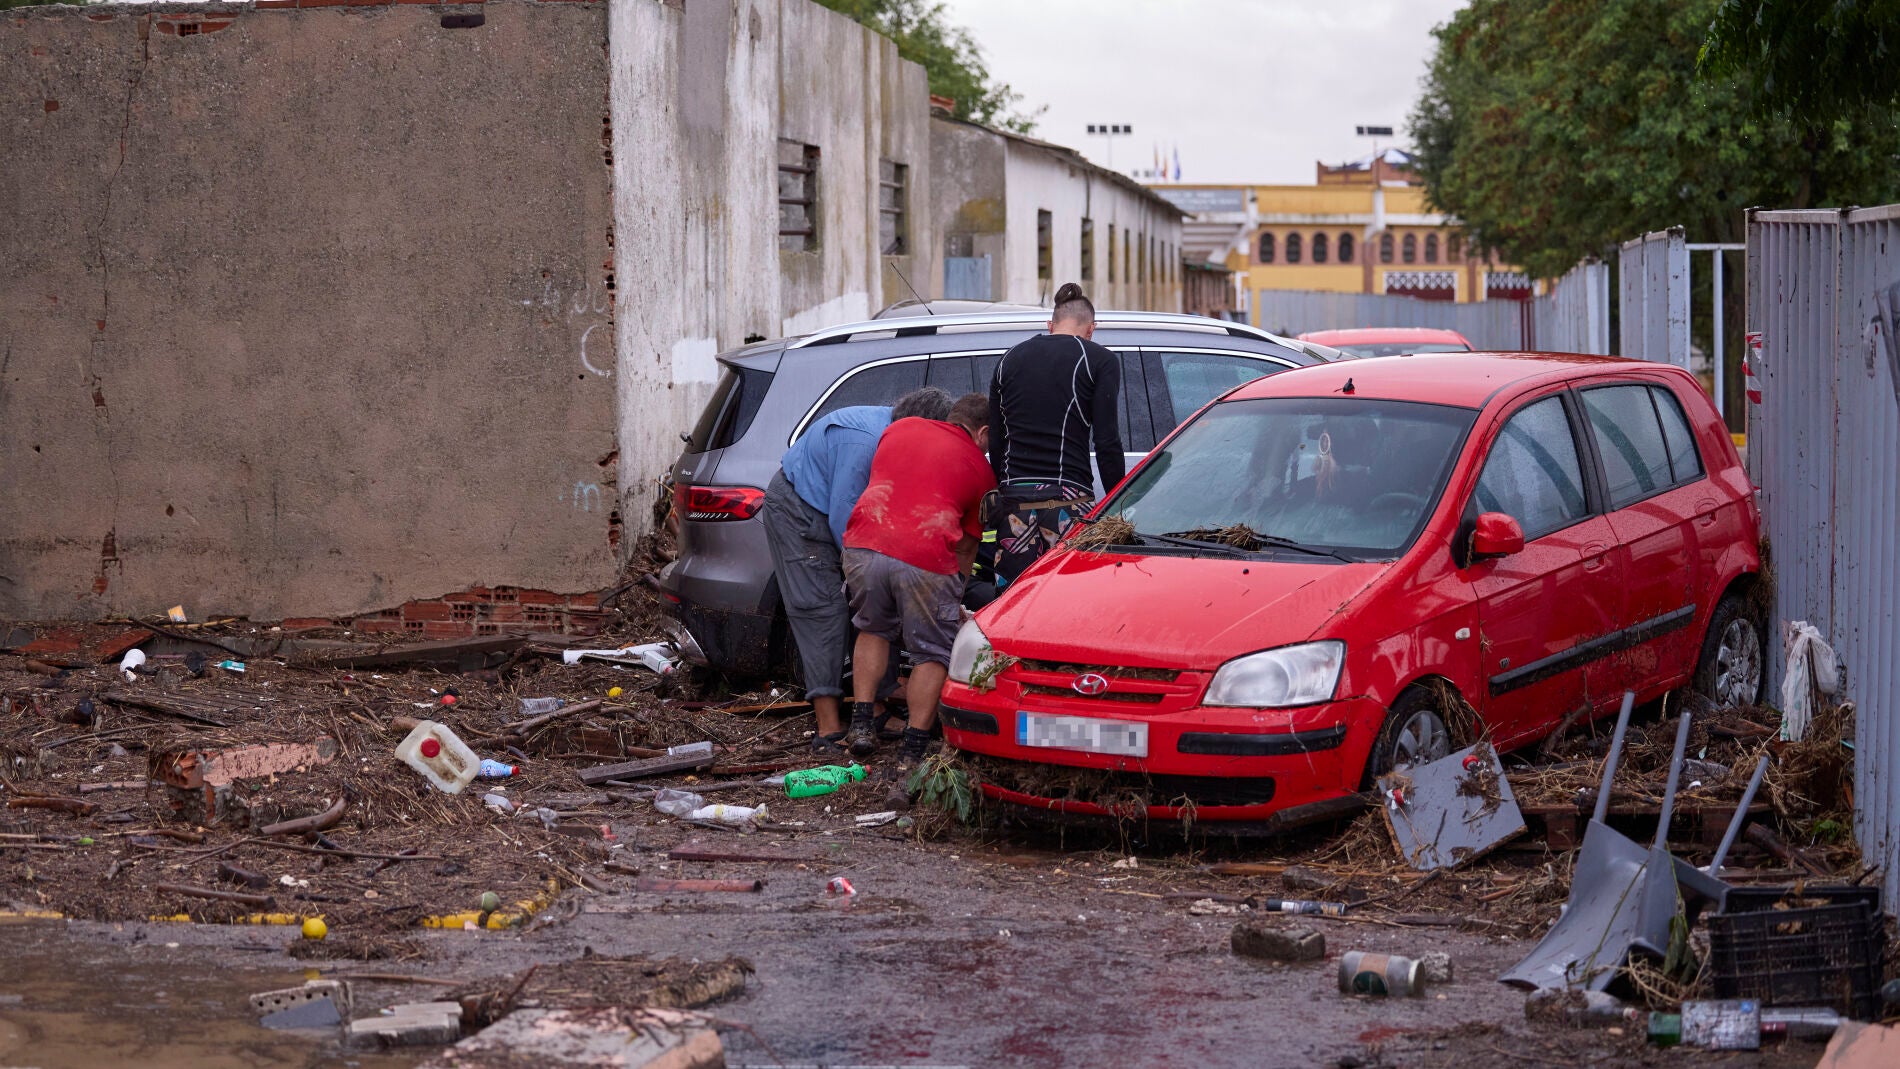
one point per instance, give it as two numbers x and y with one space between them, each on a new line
1730 671
1415 733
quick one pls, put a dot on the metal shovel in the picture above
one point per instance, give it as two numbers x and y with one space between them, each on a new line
1622 895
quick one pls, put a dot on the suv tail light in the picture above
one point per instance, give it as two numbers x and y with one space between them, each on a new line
714 503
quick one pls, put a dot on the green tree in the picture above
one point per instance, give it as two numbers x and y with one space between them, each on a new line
1555 129
1810 58
949 55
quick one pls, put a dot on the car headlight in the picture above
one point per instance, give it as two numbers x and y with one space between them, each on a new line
1276 679
970 645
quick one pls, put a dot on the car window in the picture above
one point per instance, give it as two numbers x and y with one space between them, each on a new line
1629 441
1138 429
1684 462
1195 378
985 367
1533 474
1337 473
951 373
878 384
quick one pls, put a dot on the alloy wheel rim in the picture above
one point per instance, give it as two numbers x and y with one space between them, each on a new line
1423 738
1738 664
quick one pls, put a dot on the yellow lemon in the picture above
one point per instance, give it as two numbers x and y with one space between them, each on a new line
314 928
615 692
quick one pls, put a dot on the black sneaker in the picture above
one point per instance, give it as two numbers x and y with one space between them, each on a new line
910 753
862 737
827 745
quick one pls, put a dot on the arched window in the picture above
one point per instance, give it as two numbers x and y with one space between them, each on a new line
1319 248
1292 248
1454 247
1409 249
1345 248
1385 248
1266 248
1431 248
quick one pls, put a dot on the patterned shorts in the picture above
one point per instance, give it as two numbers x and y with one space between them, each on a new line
1029 519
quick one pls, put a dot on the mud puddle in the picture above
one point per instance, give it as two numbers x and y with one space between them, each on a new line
65 1003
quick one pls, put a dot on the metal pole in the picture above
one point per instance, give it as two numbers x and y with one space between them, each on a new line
1721 356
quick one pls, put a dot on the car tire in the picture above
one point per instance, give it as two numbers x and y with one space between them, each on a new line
1416 730
1734 655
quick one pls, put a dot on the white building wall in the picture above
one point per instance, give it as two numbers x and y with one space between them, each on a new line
1037 179
699 98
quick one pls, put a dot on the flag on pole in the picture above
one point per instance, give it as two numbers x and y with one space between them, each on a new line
1177 163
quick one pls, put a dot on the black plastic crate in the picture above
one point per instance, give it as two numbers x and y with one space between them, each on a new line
1814 955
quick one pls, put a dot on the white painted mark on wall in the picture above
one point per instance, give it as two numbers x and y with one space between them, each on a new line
586 496
694 360
591 327
591 301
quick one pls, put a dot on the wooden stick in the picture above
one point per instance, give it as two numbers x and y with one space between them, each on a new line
522 726
63 805
351 854
244 877
116 785
262 901
328 818
651 883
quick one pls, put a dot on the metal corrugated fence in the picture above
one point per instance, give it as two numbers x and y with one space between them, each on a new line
1654 286
1824 296
1486 324
1574 317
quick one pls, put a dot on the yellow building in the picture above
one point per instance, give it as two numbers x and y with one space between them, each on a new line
1362 228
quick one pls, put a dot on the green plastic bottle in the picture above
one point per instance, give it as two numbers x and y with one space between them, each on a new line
812 782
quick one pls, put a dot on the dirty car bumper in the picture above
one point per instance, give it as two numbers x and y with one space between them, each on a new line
1227 764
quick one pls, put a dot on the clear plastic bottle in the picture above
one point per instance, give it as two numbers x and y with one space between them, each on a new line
677 803
537 706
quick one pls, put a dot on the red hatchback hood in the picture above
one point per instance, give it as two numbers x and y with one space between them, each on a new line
1167 611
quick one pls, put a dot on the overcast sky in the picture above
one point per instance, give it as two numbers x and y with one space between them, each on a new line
1249 90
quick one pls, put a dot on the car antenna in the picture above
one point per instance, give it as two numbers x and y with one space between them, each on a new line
912 289
1348 387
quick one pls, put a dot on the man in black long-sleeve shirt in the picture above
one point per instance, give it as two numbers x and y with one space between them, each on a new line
1051 398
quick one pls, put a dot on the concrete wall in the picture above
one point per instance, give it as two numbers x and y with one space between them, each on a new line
701 94
990 187
307 311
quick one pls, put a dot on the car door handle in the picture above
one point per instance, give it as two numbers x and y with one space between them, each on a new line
1595 556
1705 512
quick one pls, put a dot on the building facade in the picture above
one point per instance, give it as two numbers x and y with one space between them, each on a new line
1018 217
1363 227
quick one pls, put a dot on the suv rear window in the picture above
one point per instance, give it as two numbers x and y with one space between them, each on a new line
878 384
729 411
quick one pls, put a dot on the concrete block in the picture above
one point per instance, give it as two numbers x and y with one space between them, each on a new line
1274 942
1435 967
415 1024
335 992
603 1038
315 1013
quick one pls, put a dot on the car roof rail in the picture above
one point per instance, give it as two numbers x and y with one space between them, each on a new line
932 324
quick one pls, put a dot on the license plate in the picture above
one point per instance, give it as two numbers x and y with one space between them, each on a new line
1086 733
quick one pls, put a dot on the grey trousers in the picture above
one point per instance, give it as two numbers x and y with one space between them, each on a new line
811 582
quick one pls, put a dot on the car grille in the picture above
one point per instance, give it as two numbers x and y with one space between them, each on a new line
1034 689
1153 675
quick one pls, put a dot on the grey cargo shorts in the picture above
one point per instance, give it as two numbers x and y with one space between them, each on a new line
901 602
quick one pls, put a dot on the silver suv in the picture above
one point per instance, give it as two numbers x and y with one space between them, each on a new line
721 590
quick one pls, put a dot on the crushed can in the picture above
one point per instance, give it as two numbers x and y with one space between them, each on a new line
839 887
1362 972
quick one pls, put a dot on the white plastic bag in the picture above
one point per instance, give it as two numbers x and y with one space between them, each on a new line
677 803
1811 665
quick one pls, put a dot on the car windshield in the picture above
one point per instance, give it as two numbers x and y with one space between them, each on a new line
1335 476
1402 348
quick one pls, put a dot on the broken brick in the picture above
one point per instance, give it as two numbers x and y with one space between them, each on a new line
1274 942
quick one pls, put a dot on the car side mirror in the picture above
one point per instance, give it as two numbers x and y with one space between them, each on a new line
1495 534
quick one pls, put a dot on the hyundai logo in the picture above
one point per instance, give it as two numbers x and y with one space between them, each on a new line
1090 685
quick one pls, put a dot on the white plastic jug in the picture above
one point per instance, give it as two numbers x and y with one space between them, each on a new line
445 760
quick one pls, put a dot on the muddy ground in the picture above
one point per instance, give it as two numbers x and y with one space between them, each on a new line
964 945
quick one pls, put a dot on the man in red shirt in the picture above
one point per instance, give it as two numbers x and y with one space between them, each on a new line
910 542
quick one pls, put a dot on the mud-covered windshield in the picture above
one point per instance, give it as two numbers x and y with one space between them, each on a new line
1330 474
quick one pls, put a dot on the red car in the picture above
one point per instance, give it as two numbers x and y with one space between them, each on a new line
1390 341
1322 574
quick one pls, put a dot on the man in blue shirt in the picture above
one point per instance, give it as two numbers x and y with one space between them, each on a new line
807 506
